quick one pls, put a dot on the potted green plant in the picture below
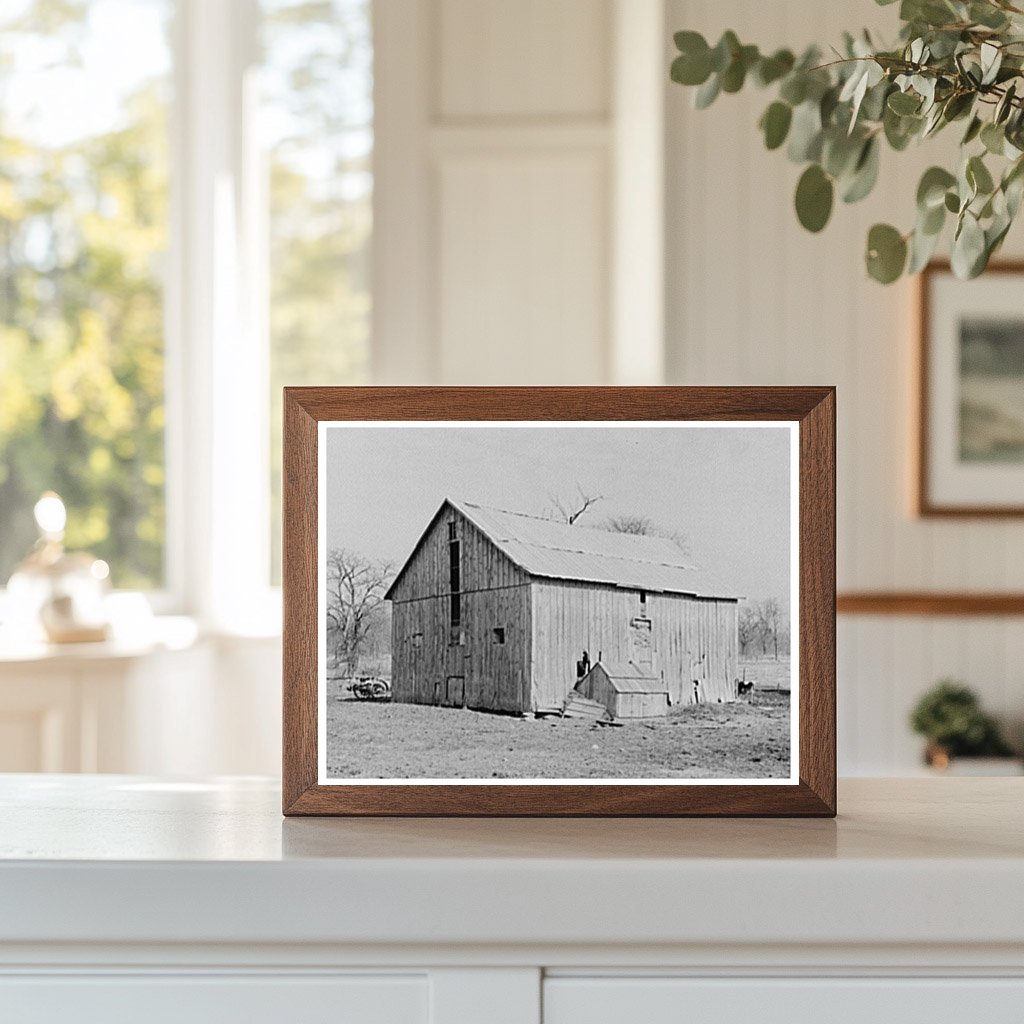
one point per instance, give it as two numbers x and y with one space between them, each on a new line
956 62
951 719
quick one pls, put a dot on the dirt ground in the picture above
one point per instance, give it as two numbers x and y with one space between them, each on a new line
748 739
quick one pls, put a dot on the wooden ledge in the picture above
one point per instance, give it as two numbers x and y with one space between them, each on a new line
937 603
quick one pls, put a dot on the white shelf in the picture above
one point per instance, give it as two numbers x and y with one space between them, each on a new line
120 859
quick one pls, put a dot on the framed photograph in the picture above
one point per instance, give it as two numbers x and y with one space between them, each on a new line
970 451
559 601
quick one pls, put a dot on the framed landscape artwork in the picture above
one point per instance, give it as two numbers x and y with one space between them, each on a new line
970 451
559 601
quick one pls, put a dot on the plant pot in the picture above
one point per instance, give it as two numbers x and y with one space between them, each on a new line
938 758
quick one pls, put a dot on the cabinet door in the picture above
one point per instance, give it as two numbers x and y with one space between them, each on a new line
677 1000
202 999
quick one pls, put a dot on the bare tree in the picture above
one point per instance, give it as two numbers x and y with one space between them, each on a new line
769 616
570 509
638 525
763 624
642 526
749 627
355 595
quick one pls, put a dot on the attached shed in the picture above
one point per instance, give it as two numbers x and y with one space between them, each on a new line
627 691
494 610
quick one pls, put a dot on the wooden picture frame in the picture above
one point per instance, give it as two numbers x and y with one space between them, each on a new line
810 791
940 488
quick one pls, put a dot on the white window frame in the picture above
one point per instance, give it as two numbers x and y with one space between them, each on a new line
218 515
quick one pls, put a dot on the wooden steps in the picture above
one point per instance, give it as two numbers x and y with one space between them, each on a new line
578 706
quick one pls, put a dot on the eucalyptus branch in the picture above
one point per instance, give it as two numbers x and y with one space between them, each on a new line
955 61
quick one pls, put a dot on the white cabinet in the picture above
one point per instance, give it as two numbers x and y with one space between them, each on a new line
216 1000
130 899
176 704
101 707
823 1000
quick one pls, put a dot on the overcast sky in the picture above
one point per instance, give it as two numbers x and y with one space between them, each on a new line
725 489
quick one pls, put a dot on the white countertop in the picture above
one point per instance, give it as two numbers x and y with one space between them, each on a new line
120 859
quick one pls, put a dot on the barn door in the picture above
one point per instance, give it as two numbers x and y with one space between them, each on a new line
641 650
455 692
454 695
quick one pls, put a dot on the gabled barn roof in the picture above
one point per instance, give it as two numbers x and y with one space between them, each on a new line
555 550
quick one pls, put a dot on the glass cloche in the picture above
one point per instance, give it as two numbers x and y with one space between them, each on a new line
57 595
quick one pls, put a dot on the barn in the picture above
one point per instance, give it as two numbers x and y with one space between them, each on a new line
503 611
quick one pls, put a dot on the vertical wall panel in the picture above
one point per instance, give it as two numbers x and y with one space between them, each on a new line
530 58
523 284
521 139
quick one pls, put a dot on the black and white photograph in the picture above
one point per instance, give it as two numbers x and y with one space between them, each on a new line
575 602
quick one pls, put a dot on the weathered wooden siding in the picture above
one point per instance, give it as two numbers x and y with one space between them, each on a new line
426 666
640 705
691 638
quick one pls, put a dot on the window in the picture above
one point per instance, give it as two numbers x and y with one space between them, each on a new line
499 634
185 224
317 124
83 240
455 582
643 602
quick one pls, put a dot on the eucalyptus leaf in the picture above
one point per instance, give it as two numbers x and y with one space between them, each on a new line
993 138
987 15
978 176
794 88
735 74
775 124
688 70
814 196
922 247
1013 187
873 107
805 133
931 190
991 60
707 93
771 69
973 130
724 51
840 152
1005 105
958 105
865 173
932 221
904 103
886 253
968 247
900 130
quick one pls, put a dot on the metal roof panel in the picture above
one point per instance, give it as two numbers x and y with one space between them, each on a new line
555 550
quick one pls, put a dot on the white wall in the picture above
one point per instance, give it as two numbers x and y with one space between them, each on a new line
518 240
754 299
501 149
